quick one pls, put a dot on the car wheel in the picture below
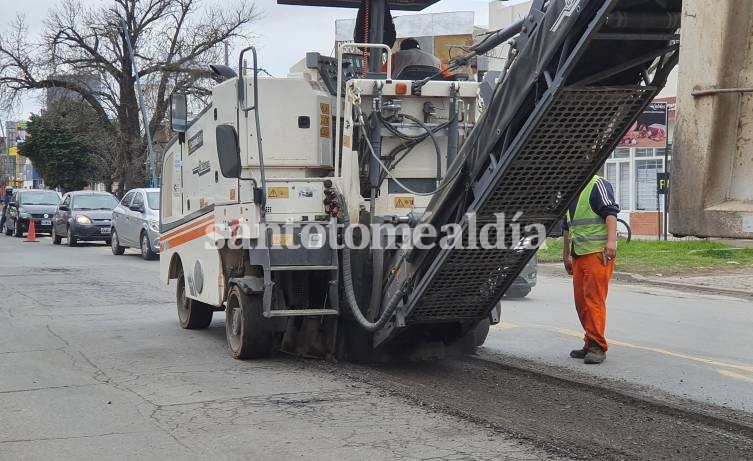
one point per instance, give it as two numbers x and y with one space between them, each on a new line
249 333
18 231
146 249
56 239
192 314
71 238
517 293
117 250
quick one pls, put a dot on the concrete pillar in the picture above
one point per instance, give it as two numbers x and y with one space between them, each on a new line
712 167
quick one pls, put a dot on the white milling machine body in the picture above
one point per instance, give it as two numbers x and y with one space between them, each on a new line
255 190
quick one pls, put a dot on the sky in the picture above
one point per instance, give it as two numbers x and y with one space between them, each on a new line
284 33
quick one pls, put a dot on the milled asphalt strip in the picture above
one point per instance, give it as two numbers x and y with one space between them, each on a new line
671 405
567 416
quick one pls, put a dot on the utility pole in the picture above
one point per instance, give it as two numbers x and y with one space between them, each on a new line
152 181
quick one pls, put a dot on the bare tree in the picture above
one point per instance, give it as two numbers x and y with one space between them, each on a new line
83 50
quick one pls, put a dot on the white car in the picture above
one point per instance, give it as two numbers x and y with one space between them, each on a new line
135 223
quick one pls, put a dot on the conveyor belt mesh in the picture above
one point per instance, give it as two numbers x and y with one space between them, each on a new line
575 136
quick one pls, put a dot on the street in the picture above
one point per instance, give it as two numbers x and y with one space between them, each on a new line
93 365
687 344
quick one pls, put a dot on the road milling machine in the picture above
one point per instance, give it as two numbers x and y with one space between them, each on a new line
293 203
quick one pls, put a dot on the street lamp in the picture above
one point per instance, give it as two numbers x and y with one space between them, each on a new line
152 181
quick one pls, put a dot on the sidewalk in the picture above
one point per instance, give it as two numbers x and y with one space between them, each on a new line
738 283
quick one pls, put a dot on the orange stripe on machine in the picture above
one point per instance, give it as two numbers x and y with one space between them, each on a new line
178 236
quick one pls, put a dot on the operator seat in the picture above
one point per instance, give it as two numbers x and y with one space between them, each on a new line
418 72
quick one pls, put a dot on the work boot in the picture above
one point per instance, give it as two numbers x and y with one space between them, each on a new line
595 355
578 353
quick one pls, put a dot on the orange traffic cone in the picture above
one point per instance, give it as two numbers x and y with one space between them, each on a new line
31 236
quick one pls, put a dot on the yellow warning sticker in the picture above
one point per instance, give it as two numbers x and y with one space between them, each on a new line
324 120
278 192
324 132
285 240
346 141
403 202
232 194
324 108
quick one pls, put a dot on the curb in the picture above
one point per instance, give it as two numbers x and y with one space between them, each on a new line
556 270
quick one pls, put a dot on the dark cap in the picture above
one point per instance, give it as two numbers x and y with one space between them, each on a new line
409 44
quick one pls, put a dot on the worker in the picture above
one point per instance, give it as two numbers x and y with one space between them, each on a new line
411 54
589 251
5 203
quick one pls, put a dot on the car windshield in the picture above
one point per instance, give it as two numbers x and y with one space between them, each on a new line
153 199
42 197
94 202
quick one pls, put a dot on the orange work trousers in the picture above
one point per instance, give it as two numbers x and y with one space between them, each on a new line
591 283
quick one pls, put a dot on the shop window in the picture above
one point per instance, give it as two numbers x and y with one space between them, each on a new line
621 153
645 183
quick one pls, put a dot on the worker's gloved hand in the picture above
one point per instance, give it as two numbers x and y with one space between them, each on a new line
610 250
568 264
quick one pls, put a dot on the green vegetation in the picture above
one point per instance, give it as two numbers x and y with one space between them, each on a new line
59 157
668 258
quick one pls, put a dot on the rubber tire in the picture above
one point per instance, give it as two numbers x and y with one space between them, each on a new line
254 337
117 250
17 231
56 239
71 238
148 255
481 332
517 293
192 314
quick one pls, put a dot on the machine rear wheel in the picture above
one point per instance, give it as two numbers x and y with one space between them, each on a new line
249 333
193 315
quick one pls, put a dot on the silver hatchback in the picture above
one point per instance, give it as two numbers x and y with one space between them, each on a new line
135 223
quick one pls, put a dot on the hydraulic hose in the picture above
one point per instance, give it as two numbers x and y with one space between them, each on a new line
437 150
350 295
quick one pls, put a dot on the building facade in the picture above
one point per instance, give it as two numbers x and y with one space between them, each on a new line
645 151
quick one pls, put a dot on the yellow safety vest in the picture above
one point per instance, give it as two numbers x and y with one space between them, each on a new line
588 230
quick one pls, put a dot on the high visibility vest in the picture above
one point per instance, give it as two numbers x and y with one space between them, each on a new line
588 231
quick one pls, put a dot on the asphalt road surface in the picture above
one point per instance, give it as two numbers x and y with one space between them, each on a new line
93 365
684 343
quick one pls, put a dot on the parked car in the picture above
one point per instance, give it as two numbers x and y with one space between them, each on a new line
135 223
520 288
522 285
31 204
83 215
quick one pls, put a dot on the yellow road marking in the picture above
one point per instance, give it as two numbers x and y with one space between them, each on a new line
705 360
732 374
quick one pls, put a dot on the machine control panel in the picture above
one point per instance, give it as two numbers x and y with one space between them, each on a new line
327 67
